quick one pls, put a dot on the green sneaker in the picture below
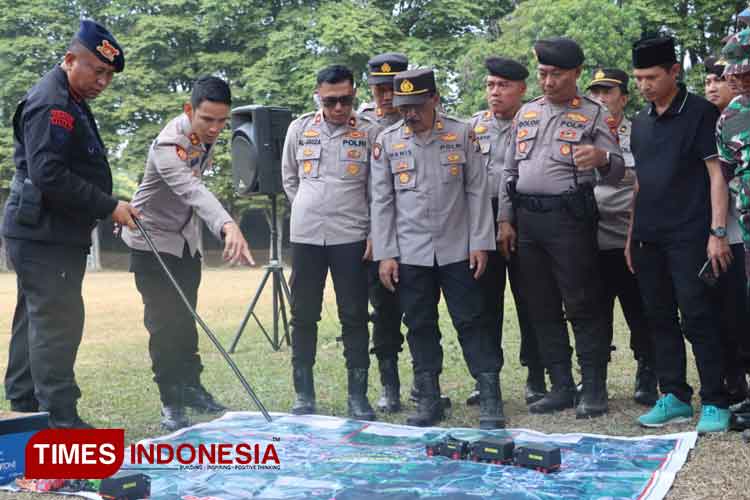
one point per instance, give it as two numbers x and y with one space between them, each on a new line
713 419
667 410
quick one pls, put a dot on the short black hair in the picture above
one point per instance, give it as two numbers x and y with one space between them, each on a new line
210 88
335 73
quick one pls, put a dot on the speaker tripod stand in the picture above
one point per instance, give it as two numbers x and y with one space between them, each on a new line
280 293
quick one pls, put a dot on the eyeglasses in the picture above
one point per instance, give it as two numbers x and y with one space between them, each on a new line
331 101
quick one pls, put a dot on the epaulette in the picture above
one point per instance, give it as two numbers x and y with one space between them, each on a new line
454 118
366 118
393 127
536 98
480 113
368 106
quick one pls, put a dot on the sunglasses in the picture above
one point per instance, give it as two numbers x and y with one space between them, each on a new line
331 101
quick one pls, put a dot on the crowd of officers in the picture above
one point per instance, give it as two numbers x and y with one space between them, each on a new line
574 202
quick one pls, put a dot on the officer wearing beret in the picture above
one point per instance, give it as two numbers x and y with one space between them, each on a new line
505 87
61 188
175 203
610 87
326 170
560 145
679 218
387 338
428 175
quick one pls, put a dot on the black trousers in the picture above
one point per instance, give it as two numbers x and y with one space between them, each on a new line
173 337
310 265
47 323
559 265
419 291
668 278
734 311
620 283
493 283
387 339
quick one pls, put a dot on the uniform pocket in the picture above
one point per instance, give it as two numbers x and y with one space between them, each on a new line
452 165
562 147
525 138
404 173
308 159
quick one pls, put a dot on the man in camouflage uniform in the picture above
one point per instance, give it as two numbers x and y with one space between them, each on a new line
733 143
432 227
505 87
325 171
558 142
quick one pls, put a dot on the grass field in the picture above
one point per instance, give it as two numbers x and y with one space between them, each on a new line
113 370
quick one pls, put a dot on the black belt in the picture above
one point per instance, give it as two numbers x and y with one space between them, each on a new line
541 203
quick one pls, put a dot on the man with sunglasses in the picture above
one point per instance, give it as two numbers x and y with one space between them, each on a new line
325 171
432 228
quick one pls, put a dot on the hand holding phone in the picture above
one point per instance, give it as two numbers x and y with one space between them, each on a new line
706 274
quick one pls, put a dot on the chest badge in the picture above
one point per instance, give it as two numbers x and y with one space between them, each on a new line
311 133
404 177
307 166
565 149
352 168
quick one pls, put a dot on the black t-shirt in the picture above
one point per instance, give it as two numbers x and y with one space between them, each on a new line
674 202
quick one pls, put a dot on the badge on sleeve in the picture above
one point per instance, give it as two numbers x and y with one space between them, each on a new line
60 118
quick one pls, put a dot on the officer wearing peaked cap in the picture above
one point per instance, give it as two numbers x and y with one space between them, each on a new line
610 87
559 141
381 70
61 188
505 88
427 175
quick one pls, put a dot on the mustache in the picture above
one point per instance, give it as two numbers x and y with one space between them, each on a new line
411 120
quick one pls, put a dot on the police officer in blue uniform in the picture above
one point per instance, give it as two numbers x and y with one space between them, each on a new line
61 188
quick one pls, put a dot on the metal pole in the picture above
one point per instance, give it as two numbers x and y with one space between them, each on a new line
203 325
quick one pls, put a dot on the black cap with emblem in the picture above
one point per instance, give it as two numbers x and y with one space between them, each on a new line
714 66
101 43
649 52
383 67
610 77
561 52
506 68
413 87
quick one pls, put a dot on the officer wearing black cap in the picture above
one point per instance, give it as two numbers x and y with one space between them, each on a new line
428 175
558 142
679 218
381 70
610 87
505 86
61 188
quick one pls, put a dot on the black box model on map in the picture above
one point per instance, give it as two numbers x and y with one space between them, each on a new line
15 431
539 456
125 485
492 450
457 449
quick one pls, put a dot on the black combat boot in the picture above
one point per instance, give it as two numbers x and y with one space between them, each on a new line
173 415
429 406
593 402
491 414
562 394
198 398
645 392
304 387
357 403
390 399
536 386
473 398
736 387
66 417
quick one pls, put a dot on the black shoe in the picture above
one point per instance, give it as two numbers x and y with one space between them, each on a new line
536 386
429 406
563 393
304 387
491 414
67 418
593 400
444 400
358 406
390 399
739 421
736 387
173 417
198 398
473 398
743 407
645 391
26 405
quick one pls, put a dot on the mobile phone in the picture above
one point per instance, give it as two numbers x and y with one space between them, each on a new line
707 274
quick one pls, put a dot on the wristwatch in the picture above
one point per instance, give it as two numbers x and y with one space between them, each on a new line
719 232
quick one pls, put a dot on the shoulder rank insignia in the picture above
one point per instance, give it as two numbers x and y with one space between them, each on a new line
576 102
352 122
623 129
194 140
487 115
439 125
